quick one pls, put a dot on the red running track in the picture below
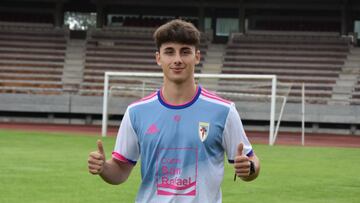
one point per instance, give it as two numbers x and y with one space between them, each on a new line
328 140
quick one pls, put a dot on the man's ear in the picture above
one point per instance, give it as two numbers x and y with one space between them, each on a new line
157 57
197 56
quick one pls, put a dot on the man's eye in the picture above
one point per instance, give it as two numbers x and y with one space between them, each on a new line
168 52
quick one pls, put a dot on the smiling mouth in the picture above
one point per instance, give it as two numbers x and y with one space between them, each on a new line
177 68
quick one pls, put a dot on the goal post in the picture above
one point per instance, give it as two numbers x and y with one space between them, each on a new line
159 75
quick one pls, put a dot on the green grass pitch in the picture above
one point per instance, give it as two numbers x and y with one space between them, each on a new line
52 167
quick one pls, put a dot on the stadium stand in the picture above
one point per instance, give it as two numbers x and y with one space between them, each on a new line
356 92
138 21
120 49
31 58
28 20
348 77
48 74
313 58
357 89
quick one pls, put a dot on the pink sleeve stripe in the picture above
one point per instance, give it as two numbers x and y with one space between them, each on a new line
121 158
145 98
213 96
209 92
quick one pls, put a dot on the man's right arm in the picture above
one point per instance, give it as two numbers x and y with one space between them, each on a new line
112 171
116 172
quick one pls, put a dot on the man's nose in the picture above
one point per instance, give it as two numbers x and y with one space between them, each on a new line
177 59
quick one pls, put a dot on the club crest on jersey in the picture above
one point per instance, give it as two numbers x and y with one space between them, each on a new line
203 130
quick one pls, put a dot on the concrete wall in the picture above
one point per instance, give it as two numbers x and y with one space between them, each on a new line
315 113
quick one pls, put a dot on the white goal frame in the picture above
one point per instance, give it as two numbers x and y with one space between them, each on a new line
273 79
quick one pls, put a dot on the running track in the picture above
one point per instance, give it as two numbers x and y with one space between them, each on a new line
255 137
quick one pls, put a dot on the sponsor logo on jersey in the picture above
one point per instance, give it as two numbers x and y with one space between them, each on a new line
177 118
176 175
152 129
203 130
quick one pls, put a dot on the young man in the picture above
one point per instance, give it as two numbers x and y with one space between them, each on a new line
181 132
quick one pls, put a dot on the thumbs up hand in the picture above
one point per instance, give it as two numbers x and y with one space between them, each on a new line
241 163
97 159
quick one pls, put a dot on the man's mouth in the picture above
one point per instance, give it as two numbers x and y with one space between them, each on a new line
177 69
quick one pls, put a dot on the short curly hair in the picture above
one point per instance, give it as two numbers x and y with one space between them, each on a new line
178 31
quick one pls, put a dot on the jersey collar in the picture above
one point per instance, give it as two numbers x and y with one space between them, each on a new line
180 106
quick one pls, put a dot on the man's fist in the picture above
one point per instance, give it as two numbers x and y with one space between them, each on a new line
97 159
241 163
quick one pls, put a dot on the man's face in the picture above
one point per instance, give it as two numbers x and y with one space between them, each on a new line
177 61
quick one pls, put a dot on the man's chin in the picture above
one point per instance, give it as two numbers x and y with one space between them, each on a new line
177 78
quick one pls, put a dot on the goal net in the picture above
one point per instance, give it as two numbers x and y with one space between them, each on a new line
251 89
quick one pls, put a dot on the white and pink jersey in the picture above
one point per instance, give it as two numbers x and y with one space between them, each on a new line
181 147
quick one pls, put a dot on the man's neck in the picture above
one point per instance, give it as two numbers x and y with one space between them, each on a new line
177 94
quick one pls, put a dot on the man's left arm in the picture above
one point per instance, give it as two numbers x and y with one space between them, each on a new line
246 167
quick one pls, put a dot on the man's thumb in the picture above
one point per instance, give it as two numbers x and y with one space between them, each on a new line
100 147
240 148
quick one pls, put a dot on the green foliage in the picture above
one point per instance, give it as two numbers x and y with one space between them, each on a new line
80 21
52 167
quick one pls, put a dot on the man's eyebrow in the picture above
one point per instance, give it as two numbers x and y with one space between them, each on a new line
185 49
168 48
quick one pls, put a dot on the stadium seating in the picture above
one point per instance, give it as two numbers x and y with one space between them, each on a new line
120 49
31 58
356 93
312 58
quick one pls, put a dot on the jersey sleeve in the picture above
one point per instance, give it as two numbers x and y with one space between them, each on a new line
234 134
126 147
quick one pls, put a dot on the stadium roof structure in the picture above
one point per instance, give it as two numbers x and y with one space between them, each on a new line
343 12
271 4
